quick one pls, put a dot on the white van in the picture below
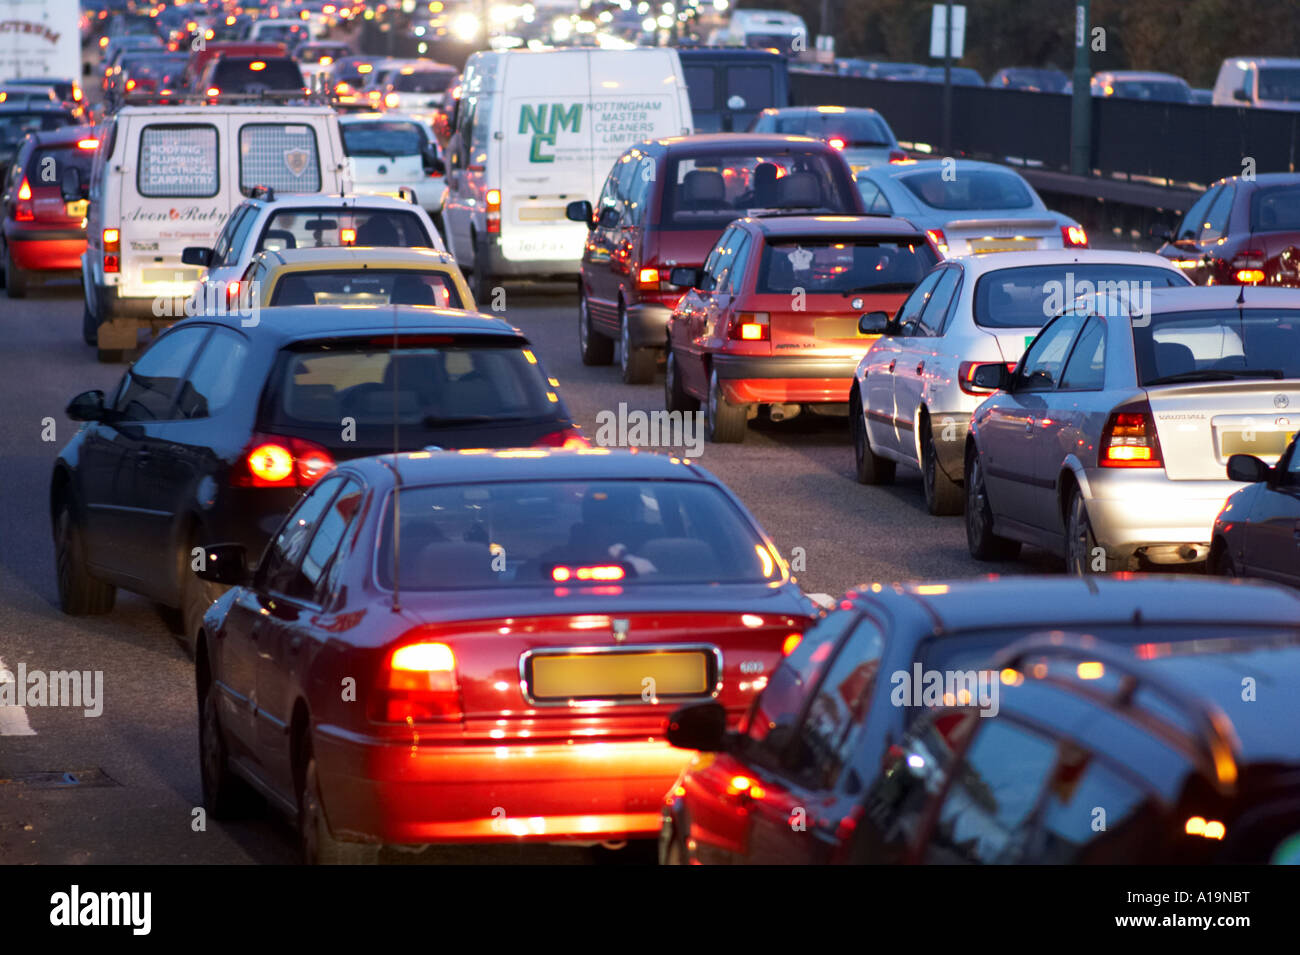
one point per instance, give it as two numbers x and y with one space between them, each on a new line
166 177
1264 82
775 29
535 130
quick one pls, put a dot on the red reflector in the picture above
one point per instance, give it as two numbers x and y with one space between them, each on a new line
110 263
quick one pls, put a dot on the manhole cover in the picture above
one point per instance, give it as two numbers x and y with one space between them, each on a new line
72 779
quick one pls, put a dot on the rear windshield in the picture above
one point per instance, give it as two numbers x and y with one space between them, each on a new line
1158 91
571 533
245 75
853 129
48 164
423 81
382 138
366 287
707 192
14 127
969 189
820 265
1027 297
1279 83
178 162
166 70
1218 345
1275 209
323 227
25 95
280 155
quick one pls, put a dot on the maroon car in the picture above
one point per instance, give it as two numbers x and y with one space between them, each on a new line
1241 232
664 206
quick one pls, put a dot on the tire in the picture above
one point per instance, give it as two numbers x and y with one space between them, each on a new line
1081 544
943 495
637 364
727 423
980 539
17 280
225 795
676 397
868 467
595 348
80 594
319 847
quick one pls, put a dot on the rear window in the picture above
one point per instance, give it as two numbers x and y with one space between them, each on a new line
423 81
1153 90
322 227
710 191
819 265
366 287
280 155
246 75
14 127
853 129
178 162
1275 209
382 138
1027 297
1279 83
23 96
699 86
47 165
550 533
1218 345
970 189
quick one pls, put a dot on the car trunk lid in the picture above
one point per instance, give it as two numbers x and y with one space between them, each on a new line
1201 425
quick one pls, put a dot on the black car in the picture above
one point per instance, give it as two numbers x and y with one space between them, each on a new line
1257 534
215 432
1171 752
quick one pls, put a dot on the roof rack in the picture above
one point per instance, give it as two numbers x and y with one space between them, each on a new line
190 97
1216 746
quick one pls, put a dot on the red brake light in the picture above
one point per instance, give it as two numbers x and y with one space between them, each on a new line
1130 440
836 143
23 208
493 211
418 684
600 572
87 143
790 643
25 190
648 279
1074 237
897 155
939 239
271 461
569 439
752 327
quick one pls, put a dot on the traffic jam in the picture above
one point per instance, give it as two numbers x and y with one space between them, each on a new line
375 504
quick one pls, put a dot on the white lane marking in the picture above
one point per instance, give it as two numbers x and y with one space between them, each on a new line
13 719
823 600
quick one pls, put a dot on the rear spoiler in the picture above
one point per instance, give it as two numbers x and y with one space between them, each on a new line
411 338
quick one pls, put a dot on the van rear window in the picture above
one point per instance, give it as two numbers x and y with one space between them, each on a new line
282 156
178 162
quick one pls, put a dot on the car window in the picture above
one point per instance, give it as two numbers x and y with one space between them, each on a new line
282 156
709 191
830 264
1041 370
931 320
1258 342
330 533
1027 296
325 227
1073 830
386 138
828 729
1086 369
1275 209
1194 220
1216 220
910 313
721 258
178 161
150 384
699 86
239 238
970 189
221 248
212 382
377 286
873 197
1290 473
279 566
736 269
753 84
640 189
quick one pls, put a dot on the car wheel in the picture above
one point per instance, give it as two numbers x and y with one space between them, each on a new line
595 348
868 467
676 397
980 539
319 847
225 795
638 364
1081 545
80 594
727 422
943 495
17 280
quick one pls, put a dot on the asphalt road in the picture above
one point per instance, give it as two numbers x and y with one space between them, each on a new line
133 793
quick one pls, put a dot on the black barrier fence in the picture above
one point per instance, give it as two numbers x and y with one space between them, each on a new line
1170 142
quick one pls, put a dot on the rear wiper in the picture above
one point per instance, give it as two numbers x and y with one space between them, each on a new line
1212 374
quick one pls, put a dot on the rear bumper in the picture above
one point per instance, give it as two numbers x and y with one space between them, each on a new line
522 267
395 793
781 379
47 250
1130 510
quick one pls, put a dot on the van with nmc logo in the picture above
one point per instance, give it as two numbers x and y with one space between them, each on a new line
166 177
536 130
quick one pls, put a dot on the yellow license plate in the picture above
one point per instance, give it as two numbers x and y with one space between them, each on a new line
1010 245
612 676
1262 444
830 329
79 208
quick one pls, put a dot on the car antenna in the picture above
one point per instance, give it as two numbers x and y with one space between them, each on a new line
1241 296
397 481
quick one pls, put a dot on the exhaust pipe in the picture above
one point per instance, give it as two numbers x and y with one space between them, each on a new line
614 844
783 412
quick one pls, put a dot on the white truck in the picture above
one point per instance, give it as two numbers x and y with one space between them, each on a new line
40 38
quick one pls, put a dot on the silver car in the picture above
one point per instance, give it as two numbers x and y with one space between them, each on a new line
1110 440
913 393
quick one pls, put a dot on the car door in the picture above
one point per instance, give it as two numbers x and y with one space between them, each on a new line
1063 432
881 411
603 271
726 301
1007 425
683 327
917 340
695 367
462 181
1272 547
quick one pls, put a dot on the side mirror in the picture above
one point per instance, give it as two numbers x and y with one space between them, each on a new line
992 377
1248 469
1241 96
224 564
608 218
87 406
433 166
580 211
702 726
874 323
196 255
684 277
70 186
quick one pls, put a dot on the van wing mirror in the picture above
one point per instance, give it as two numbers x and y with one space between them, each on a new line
70 186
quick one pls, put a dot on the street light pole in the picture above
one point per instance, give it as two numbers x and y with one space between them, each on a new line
1081 111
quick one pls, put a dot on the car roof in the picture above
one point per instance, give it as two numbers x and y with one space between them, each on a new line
1062 603
1137 75
827 110
1266 60
352 201
977 263
729 143
352 257
1261 179
1199 298
283 325
532 464
777 226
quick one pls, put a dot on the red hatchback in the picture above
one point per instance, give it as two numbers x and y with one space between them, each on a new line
772 317
664 205
44 231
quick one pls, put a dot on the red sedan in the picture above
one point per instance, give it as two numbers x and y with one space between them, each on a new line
44 220
503 667
772 319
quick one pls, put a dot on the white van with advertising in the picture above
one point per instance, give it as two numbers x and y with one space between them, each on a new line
166 177
536 130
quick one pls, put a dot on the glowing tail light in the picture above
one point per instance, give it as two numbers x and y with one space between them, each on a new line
392 101
836 143
23 208
647 279
494 211
1074 237
570 439
270 461
112 250
1130 440
752 327
939 239
418 684
87 143
897 156
603 573
214 91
